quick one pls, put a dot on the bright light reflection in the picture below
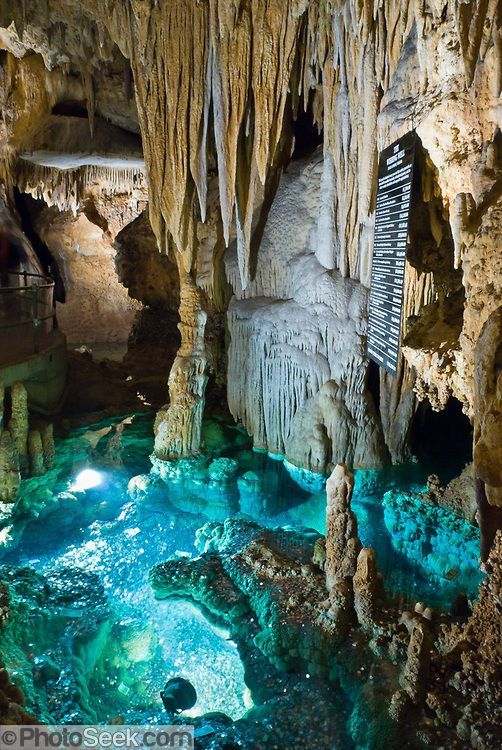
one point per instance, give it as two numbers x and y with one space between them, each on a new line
86 479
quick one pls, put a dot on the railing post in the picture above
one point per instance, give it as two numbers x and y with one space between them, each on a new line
36 321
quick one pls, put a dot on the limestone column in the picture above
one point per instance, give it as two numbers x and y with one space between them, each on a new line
178 426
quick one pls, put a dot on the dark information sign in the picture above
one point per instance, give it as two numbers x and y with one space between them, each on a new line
395 175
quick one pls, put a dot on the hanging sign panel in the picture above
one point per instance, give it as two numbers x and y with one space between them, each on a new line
395 175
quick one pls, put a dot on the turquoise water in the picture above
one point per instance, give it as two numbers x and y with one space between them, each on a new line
118 535
425 553
104 531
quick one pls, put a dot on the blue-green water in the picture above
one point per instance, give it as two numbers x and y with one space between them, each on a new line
424 553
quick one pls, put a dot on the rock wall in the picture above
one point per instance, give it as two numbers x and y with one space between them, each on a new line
97 308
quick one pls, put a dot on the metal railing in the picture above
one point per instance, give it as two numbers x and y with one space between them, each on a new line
27 303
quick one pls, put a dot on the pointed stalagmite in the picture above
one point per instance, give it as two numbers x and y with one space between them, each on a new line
342 542
36 453
342 546
10 477
366 584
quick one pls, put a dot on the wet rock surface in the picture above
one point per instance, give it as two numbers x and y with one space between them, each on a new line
52 635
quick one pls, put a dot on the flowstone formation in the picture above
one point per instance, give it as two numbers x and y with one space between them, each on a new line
299 329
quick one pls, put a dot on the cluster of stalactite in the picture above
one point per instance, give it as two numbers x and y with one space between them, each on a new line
66 188
346 52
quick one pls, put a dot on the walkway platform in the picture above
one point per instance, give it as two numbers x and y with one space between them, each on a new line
32 349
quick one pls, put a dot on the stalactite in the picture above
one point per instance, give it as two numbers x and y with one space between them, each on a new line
66 188
472 26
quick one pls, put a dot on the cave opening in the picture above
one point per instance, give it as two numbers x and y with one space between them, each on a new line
28 208
71 108
442 439
307 133
373 382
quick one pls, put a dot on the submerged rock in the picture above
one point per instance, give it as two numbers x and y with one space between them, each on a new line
53 635
445 546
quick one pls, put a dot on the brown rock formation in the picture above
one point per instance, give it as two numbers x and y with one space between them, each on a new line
367 588
342 542
488 429
342 547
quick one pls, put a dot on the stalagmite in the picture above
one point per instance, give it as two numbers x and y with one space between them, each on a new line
10 477
367 587
342 545
342 542
416 671
36 453
18 423
48 446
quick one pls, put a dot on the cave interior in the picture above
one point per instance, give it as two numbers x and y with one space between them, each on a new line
219 510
